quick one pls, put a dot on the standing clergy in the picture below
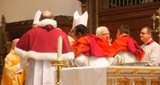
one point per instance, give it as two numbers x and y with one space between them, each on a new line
124 48
152 55
89 49
79 25
38 46
10 75
78 20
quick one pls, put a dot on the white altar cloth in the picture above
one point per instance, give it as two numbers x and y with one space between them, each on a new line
83 76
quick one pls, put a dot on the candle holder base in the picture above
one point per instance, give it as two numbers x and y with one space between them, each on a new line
58 65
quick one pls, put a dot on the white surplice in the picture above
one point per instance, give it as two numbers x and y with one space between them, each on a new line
83 60
124 57
152 55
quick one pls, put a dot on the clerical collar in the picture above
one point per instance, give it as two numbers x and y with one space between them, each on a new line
149 42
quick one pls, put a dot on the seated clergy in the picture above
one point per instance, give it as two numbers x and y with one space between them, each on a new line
90 50
125 49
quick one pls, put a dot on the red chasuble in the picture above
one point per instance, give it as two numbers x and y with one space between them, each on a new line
91 45
43 40
121 44
37 47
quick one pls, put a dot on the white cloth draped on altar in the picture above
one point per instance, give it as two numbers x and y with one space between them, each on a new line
83 76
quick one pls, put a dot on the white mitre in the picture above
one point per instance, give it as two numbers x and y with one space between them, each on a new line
77 19
37 16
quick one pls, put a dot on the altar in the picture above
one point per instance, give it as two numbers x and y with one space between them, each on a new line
83 76
133 75
111 75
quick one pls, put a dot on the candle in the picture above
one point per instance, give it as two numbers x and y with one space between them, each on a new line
59 55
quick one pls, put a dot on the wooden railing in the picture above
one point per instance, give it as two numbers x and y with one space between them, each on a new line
121 3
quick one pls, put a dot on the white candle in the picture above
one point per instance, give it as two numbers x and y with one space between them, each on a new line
59 55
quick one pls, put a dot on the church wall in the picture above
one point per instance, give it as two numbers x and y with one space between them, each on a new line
18 10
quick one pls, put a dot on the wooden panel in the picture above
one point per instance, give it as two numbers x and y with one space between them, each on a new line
17 29
136 17
64 22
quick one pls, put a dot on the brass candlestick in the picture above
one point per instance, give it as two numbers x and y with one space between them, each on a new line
58 65
156 17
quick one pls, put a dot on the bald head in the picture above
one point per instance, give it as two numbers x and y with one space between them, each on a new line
14 42
46 15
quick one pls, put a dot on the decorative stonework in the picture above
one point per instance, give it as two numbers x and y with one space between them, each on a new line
133 75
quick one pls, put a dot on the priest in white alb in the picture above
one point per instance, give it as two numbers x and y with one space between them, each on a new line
151 47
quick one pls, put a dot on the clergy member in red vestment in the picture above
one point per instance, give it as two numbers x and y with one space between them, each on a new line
77 20
152 48
38 46
125 49
103 31
90 50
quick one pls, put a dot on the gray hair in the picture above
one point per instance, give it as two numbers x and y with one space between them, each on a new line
99 30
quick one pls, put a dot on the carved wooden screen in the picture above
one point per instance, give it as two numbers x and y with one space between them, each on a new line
17 29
